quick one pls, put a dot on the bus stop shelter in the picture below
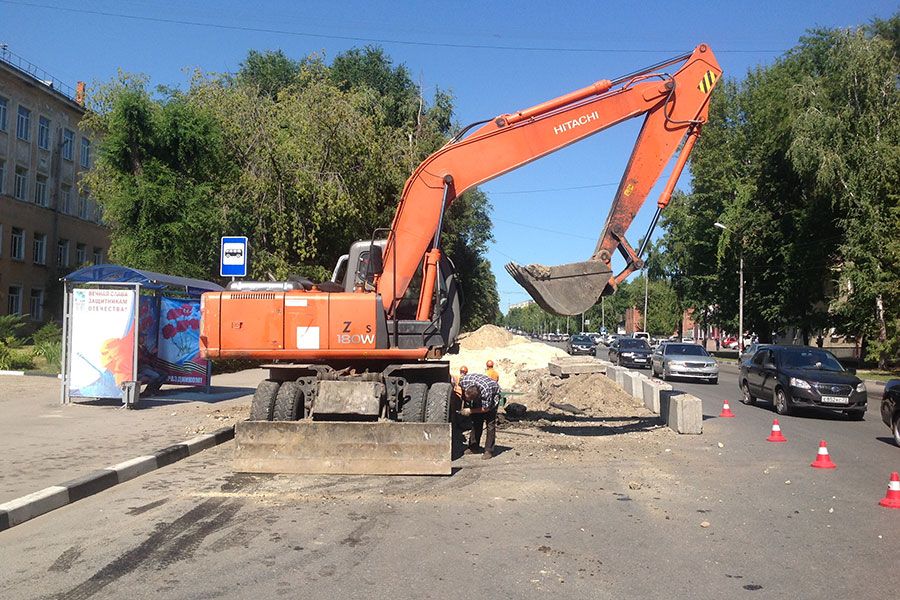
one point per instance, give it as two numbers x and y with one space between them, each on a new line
125 327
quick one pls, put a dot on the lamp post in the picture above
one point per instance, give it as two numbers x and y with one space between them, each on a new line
740 296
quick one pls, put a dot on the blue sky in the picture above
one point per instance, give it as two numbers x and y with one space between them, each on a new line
494 57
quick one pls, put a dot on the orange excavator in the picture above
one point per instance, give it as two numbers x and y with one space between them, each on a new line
356 386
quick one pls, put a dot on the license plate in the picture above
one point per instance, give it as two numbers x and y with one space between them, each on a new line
640 360
835 400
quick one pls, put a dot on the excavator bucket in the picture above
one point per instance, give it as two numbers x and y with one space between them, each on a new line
565 290
342 447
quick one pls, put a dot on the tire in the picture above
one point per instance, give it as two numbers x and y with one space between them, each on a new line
746 397
714 381
782 403
895 429
437 405
288 402
263 405
413 408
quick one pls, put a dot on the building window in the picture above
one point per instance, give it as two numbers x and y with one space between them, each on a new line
44 133
65 199
82 206
17 244
40 191
4 103
68 145
62 253
40 248
14 300
21 191
36 305
23 124
98 256
85 153
80 254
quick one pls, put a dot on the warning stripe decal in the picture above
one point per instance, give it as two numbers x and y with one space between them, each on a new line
707 82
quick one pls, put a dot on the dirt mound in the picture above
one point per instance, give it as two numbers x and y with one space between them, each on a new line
508 360
489 336
593 393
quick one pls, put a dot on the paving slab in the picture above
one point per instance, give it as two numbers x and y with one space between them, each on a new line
43 443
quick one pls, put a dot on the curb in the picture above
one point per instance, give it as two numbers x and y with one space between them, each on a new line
19 510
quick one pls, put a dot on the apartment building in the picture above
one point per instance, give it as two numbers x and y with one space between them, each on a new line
49 226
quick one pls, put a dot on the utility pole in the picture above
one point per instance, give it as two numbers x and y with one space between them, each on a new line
645 299
741 306
603 310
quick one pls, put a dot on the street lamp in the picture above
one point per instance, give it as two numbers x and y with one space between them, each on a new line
740 296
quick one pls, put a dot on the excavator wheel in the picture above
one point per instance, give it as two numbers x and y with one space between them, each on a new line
437 406
413 409
263 405
289 404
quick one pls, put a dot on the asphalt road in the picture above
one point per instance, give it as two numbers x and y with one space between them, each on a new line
721 515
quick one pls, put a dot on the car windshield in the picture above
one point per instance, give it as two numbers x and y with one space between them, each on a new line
685 350
809 358
633 344
581 339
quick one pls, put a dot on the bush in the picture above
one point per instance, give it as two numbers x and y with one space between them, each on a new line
12 360
10 326
50 351
51 332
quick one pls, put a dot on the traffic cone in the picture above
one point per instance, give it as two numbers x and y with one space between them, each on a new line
726 410
776 435
892 498
823 460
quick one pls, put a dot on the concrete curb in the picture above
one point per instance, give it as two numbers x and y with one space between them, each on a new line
16 512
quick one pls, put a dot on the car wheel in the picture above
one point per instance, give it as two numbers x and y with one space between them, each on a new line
896 429
413 409
263 404
747 398
782 403
714 380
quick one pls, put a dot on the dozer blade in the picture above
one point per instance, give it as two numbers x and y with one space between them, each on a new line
339 447
564 289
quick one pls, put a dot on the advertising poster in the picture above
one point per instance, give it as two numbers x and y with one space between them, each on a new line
103 331
178 351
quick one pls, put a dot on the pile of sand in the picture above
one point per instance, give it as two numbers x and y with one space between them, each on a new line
510 353
489 336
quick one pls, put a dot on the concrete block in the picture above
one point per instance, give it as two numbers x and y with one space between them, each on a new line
611 371
630 382
620 376
652 391
134 467
637 385
35 504
564 366
685 414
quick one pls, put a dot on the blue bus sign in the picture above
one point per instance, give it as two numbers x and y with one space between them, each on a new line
233 261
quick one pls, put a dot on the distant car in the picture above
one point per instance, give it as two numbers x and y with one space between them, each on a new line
580 344
595 337
629 352
641 335
890 408
800 376
751 350
673 359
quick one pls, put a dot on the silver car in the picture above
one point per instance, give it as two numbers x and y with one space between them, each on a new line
673 359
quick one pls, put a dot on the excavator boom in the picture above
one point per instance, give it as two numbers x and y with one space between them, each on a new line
673 106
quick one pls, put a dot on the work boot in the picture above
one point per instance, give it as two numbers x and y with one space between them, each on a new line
487 454
471 450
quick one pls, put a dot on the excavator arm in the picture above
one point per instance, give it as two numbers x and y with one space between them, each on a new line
674 108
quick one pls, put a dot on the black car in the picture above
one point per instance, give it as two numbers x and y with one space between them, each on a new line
799 376
629 352
890 408
580 344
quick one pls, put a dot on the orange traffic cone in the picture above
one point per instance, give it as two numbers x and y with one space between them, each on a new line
726 410
823 460
776 435
892 498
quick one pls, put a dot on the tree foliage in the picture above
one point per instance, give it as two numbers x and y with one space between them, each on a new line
302 157
801 162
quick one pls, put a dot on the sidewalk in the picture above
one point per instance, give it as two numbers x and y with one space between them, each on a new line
43 443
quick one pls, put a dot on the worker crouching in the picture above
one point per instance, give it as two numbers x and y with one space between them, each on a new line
481 396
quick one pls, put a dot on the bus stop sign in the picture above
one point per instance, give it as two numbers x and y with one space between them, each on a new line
233 261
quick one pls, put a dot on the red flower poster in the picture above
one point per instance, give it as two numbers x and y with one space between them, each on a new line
178 351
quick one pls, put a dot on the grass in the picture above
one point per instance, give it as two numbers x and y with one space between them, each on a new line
876 375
